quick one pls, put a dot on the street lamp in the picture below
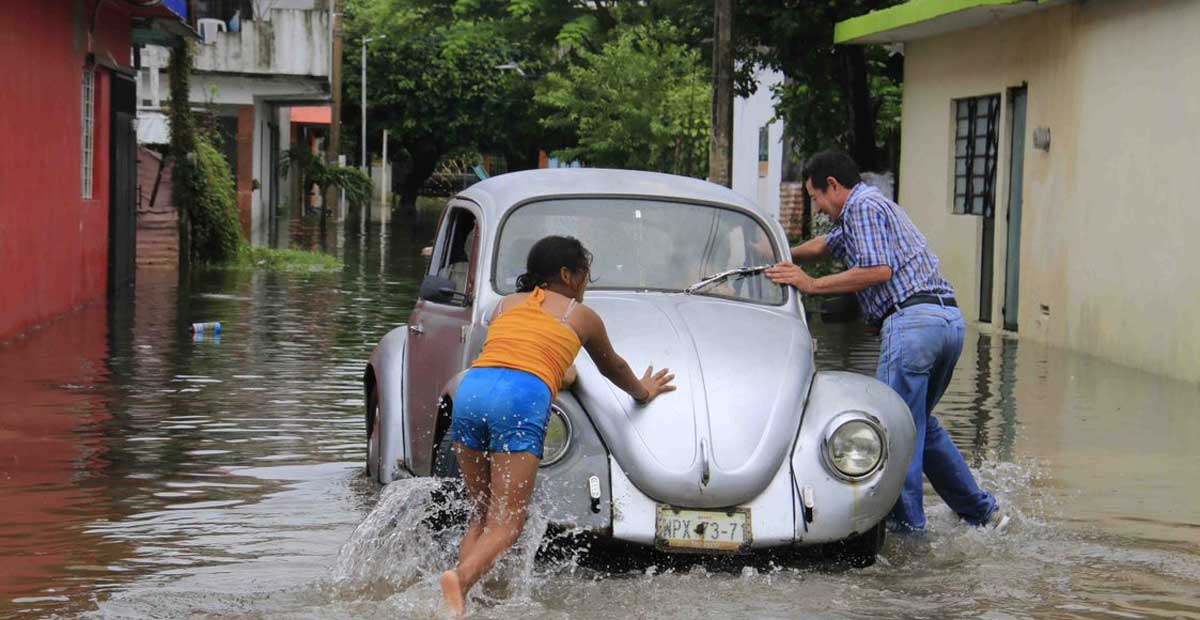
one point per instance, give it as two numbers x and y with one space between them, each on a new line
365 41
511 66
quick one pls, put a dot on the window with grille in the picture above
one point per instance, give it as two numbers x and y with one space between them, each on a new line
88 131
976 122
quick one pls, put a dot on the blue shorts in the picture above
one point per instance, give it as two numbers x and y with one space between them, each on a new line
501 410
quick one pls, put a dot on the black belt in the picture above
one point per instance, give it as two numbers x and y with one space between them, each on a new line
937 300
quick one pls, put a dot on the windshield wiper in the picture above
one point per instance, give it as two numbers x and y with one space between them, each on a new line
740 272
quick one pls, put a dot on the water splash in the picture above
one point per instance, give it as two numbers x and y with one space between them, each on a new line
412 536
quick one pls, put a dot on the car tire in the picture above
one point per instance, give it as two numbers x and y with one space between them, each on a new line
449 501
373 434
445 463
862 550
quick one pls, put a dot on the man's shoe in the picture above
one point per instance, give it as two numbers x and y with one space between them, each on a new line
997 521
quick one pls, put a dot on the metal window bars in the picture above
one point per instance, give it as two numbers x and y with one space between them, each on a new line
87 133
977 121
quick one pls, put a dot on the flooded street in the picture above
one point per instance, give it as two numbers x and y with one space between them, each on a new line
145 474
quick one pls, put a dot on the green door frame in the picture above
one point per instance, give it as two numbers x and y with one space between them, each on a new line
1018 99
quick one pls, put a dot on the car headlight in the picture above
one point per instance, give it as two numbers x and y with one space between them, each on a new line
558 436
854 446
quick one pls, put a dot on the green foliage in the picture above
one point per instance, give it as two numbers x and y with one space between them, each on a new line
313 169
436 85
640 102
888 93
183 140
612 82
577 33
212 204
183 125
204 191
250 258
839 96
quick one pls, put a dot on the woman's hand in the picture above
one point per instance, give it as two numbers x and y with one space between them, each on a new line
656 383
570 377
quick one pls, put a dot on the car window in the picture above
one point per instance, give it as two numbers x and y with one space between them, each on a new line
645 244
460 251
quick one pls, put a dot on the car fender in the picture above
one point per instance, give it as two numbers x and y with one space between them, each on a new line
842 508
388 363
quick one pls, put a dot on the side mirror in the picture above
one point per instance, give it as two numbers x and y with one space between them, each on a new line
440 290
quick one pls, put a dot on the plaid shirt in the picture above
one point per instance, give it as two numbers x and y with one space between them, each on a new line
875 231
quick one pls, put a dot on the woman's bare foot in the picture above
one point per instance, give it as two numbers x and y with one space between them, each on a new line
452 593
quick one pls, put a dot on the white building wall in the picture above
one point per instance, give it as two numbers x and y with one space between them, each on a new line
223 89
290 43
749 115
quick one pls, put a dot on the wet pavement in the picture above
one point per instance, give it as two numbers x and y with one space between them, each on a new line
146 474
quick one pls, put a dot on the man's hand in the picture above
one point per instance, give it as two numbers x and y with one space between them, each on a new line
850 281
792 275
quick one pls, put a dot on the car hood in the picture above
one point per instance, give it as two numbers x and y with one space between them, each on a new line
742 373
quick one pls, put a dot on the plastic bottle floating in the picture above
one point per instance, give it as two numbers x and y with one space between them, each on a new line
210 328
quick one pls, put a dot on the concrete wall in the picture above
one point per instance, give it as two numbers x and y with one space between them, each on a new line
290 43
749 115
267 5
1109 215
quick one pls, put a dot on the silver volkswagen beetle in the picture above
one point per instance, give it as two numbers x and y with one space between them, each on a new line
756 450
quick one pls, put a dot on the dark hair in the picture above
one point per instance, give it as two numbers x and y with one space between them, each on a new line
830 164
546 259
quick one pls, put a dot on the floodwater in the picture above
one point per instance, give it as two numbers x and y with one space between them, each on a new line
144 474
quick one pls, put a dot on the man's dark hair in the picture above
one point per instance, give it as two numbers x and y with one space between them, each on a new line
831 164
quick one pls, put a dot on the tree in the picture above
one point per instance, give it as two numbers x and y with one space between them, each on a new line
843 96
203 188
459 76
438 85
641 101
313 170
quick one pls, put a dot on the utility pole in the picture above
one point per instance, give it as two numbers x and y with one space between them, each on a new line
362 162
333 147
720 151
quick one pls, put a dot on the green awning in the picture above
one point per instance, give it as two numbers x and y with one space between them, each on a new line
926 18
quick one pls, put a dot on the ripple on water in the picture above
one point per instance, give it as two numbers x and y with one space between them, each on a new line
146 476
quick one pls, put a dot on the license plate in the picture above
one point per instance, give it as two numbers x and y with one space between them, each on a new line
703 530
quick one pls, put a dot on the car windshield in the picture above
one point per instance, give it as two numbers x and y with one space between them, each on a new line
646 245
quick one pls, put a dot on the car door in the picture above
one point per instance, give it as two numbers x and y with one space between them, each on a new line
438 328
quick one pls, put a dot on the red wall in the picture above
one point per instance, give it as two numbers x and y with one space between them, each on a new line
53 244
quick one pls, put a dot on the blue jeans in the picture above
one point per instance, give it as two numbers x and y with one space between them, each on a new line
920 347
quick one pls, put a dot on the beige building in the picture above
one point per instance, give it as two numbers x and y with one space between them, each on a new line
1051 154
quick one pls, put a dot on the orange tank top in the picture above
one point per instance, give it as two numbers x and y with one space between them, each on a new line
530 339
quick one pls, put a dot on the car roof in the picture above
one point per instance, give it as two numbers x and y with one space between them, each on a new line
498 194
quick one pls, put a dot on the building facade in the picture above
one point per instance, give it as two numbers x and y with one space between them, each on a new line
257 59
1049 155
68 165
